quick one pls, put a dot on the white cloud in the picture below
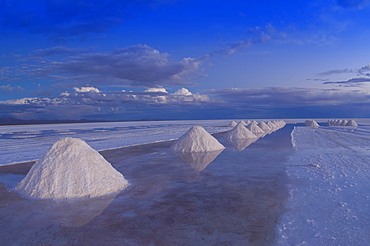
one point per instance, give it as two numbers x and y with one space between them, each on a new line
159 89
86 89
183 92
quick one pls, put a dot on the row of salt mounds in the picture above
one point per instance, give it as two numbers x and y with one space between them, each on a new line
197 139
240 137
71 169
338 122
311 123
232 124
264 127
240 132
255 129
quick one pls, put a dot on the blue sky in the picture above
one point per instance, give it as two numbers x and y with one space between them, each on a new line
129 60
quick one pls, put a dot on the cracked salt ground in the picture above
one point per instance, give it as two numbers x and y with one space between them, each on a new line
234 200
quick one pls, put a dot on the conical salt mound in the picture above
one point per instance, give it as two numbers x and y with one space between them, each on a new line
264 127
311 123
71 169
255 129
232 124
197 139
242 122
271 125
240 132
343 123
351 123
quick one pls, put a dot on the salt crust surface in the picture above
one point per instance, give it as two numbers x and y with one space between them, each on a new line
20 143
240 132
197 139
71 169
329 175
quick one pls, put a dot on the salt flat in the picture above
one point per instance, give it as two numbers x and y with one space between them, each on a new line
322 185
20 143
329 180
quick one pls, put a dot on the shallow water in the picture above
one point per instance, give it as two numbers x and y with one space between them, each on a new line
236 199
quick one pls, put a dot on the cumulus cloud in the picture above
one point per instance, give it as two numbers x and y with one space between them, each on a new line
86 89
278 102
98 102
9 88
364 70
138 65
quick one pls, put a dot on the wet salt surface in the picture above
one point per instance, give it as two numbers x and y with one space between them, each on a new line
235 200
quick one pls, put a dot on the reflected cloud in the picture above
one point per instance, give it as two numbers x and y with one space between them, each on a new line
241 144
198 160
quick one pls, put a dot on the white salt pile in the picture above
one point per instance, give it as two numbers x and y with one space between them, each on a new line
351 123
71 169
311 123
240 132
264 127
232 124
243 123
255 129
197 139
339 122
272 126
343 123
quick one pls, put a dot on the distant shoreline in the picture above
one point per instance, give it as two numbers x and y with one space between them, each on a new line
13 121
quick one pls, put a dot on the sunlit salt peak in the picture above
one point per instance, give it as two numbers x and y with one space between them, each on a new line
71 169
343 123
242 122
197 139
255 129
240 132
232 124
159 89
183 92
264 127
86 89
272 126
311 123
351 123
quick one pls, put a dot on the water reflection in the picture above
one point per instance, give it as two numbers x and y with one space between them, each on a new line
241 144
77 212
198 160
